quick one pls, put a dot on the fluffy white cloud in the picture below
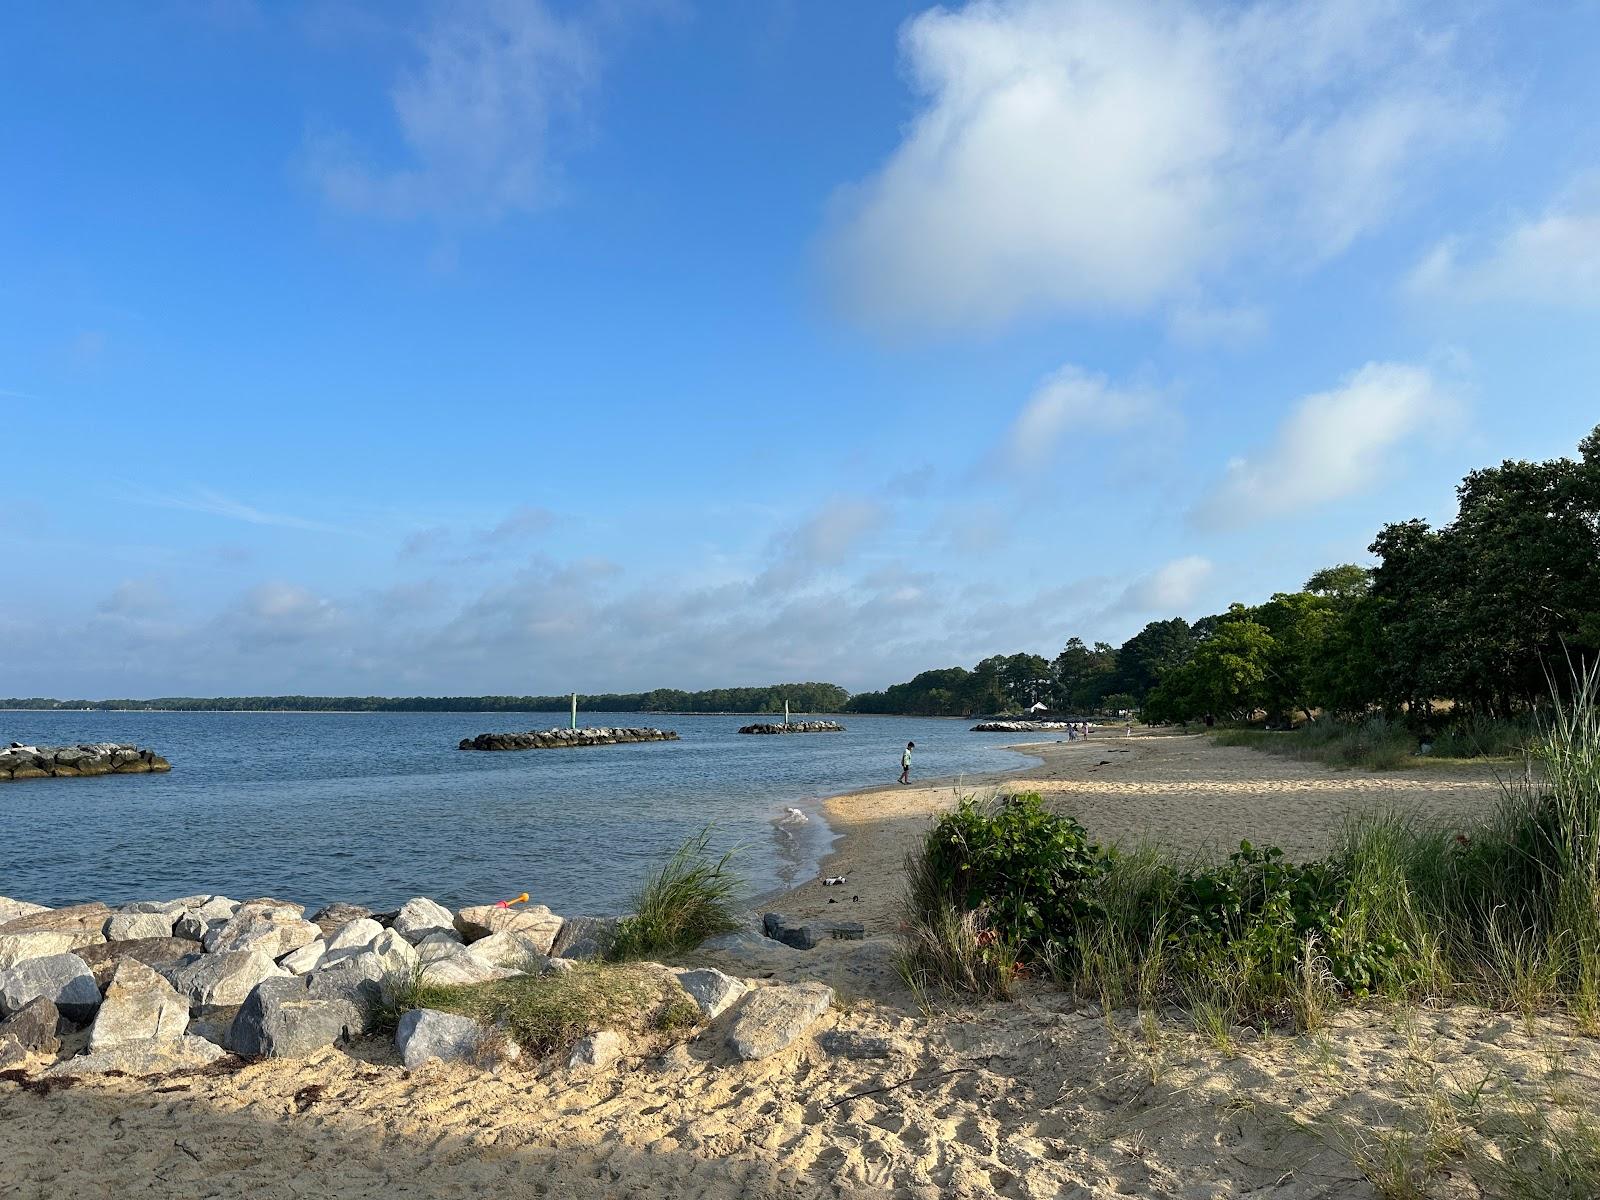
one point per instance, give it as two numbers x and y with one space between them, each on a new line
1071 400
1170 588
1092 154
477 114
1333 444
1553 259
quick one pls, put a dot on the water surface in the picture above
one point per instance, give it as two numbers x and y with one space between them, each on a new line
377 807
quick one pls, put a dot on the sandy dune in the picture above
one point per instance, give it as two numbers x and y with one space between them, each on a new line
1037 1098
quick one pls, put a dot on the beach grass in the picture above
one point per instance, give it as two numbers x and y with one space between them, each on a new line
1503 912
689 898
544 1013
1380 744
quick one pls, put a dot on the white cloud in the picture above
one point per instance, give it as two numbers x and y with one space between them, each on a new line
1170 588
1071 401
1092 154
1553 259
279 614
477 114
1333 444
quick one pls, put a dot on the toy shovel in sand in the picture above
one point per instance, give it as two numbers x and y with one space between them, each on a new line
522 899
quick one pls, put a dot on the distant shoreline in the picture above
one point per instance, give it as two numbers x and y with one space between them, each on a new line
490 712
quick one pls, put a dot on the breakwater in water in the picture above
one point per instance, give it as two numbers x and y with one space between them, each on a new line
1021 726
86 758
794 727
555 739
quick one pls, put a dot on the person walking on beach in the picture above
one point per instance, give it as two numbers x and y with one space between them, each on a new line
905 763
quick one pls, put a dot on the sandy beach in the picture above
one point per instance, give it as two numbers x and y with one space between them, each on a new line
1039 1097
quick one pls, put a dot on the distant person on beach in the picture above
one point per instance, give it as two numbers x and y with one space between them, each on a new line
905 763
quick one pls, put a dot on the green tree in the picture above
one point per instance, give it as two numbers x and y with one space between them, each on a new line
1227 675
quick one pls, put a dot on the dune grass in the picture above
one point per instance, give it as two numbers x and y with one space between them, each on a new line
688 899
1379 744
1505 912
547 1012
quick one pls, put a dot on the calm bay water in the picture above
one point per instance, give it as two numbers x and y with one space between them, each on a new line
377 807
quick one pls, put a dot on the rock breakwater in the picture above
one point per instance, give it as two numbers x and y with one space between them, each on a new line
553 739
794 727
1021 726
164 985
88 758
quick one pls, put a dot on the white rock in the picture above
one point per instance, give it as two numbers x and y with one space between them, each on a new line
419 916
143 1058
20 947
396 954
442 937
536 922
11 909
596 1051
769 1019
215 908
426 1033
124 926
169 908
224 979
63 978
140 1006
273 931
712 991
361 932
305 959
445 964
514 950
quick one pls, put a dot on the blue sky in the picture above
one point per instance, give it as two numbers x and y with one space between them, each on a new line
528 347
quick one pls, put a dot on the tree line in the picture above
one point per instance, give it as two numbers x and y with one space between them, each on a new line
802 697
1482 612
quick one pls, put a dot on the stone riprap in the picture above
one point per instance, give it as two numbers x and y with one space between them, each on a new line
108 989
794 727
556 739
88 758
1022 726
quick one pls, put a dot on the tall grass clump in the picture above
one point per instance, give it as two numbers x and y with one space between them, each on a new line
542 1013
688 899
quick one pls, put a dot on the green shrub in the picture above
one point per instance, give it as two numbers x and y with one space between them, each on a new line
688 899
1032 871
993 883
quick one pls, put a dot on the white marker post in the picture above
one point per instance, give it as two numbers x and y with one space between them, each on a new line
785 712
574 710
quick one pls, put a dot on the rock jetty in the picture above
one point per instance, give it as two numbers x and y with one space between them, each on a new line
1021 726
795 727
166 985
88 758
555 739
